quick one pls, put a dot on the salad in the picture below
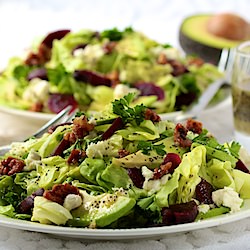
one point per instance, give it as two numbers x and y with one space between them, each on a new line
89 69
123 167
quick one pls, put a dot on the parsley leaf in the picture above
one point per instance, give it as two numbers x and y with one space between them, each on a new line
146 147
128 114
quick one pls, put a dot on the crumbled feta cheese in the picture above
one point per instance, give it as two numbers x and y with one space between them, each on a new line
203 208
37 91
121 90
72 201
91 53
108 147
228 198
32 161
150 185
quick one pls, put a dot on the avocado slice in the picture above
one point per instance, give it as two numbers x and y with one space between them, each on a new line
195 39
152 160
101 210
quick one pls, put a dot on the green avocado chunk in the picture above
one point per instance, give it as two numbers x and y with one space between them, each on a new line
151 160
101 210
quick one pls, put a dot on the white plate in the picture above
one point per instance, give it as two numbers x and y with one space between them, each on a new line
44 117
125 234
122 234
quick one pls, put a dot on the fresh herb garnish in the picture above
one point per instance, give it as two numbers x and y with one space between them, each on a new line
146 147
128 114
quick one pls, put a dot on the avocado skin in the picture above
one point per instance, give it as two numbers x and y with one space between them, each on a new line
192 47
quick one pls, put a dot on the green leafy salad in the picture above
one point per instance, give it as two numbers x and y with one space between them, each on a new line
89 69
123 167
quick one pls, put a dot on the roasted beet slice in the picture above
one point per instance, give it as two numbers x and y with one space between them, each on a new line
174 159
28 203
116 125
63 145
38 73
91 77
59 34
57 102
179 213
147 89
185 99
203 192
136 176
242 167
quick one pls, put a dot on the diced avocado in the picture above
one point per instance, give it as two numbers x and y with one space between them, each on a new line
152 160
138 159
218 154
101 210
170 146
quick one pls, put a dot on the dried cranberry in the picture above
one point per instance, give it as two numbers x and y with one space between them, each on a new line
57 102
148 89
203 192
136 176
179 213
174 159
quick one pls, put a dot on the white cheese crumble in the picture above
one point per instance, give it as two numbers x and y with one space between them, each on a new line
121 90
228 198
203 208
32 161
37 91
150 185
72 201
91 53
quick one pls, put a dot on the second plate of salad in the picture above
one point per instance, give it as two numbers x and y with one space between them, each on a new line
89 69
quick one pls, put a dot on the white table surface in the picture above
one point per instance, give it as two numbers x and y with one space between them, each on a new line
20 21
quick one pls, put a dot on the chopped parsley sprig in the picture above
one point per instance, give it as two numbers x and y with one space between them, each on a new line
128 114
147 146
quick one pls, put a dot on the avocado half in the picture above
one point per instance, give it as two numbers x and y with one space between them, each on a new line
195 40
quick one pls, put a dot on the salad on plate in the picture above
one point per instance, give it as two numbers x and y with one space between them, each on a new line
89 69
122 167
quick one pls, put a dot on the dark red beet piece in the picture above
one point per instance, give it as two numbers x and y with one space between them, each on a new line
28 203
57 102
242 167
63 145
185 99
38 73
92 78
174 159
136 176
203 192
179 213
59 34
116 125
147 89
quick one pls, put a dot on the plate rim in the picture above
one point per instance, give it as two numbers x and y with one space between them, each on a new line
46 116
121 234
